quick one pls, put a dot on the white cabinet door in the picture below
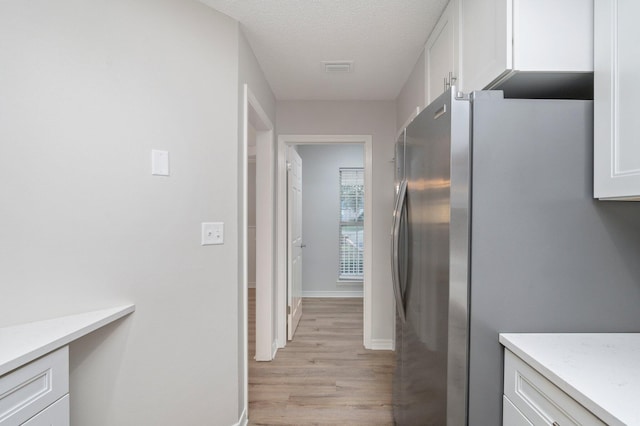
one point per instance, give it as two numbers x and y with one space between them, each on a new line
501 38
57 414
441 65
552 35
538 399
33 387
616 94
486 42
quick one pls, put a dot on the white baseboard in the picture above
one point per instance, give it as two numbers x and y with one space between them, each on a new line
333 294
274 349
244 421
382 345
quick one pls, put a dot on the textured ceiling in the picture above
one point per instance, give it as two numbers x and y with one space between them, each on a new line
291 38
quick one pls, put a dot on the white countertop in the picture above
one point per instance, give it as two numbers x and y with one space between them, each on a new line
20 344
600 371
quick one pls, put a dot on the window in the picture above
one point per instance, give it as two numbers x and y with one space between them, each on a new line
351 224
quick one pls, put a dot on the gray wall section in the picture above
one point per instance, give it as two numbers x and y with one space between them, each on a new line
545 256
320 214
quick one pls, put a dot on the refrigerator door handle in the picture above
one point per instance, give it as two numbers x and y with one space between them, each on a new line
395 248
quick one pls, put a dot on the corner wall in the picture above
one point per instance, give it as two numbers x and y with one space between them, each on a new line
412 95
88 89
249 73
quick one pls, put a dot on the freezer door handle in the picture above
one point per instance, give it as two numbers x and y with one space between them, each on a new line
395 248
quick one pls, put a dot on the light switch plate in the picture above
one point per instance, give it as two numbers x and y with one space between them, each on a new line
212 233
159 163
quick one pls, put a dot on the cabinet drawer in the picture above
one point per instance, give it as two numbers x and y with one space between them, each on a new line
26 391
539 400
511 416
57 414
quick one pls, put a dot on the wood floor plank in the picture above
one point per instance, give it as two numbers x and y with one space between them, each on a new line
324 376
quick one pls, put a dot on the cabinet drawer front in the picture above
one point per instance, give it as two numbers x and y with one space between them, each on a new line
29 389
511 416
57 414
542 402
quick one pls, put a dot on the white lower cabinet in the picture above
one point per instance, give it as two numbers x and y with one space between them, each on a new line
511 415
36 394
531 399
57 414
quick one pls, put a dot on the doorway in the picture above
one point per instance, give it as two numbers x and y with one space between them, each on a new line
258 162
325 222
333 220
257 147
284 142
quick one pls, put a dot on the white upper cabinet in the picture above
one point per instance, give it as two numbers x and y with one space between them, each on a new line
485 42
441 53
537 42
616 94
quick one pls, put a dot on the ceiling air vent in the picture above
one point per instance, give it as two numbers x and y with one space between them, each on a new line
333 67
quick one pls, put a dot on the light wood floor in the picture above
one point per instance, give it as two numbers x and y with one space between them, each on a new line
324 376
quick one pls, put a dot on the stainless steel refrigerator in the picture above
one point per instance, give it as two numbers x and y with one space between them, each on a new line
495 230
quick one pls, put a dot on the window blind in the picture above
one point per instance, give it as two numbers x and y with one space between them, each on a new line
351 240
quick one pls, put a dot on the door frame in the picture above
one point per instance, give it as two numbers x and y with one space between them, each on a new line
255 115
281 217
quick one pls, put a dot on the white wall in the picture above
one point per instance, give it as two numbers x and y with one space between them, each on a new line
88 89
321 217
376 118
251 74
412 95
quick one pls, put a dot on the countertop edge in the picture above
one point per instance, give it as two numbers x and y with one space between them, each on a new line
49 341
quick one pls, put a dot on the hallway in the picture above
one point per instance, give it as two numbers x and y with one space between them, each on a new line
324 376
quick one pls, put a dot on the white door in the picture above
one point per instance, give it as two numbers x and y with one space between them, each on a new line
295 246
294 239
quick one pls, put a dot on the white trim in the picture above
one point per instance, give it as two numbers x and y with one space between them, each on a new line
281 268
382 345
243 421
244 249
333 294
265 235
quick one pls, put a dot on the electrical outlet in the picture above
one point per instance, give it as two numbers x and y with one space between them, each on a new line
212 233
